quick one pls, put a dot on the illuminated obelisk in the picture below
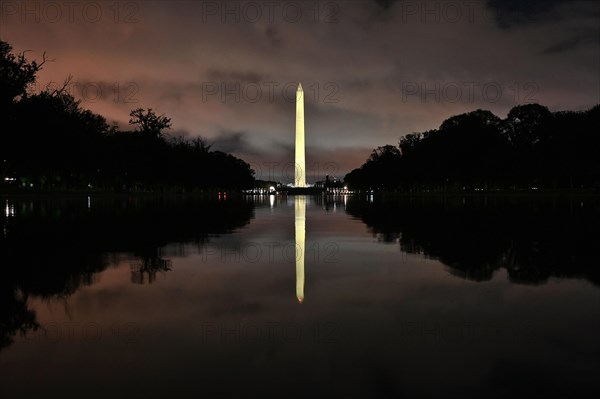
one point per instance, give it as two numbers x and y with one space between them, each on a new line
300 213
300 169
300 201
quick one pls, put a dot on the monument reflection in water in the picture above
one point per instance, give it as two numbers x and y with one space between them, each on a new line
300 224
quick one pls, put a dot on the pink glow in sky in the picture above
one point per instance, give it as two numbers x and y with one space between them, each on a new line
373 70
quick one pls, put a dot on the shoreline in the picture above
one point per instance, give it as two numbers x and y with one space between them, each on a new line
308 192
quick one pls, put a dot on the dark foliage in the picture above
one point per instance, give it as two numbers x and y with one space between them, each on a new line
532 147
48 142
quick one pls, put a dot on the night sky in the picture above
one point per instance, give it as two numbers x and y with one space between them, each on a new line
372 70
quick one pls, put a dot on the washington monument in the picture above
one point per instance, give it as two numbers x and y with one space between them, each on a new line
300 175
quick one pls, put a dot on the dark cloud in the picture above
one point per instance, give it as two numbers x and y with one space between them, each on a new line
273 36
515 12
573 41
172 94
233 142
234 76
385 4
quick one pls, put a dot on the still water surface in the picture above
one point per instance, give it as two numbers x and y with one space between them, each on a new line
299 297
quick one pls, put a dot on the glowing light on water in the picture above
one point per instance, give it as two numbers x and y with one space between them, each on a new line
300 224
9 210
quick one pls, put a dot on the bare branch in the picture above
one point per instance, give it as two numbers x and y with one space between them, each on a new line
44 60
66 83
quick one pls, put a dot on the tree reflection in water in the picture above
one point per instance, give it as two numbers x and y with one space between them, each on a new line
533 238
50 247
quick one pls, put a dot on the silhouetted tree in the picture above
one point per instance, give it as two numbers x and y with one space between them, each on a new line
49 142
409 143
532 147
16 74
148 122
524 125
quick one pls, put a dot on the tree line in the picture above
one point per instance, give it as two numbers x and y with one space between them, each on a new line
49 142
532 148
